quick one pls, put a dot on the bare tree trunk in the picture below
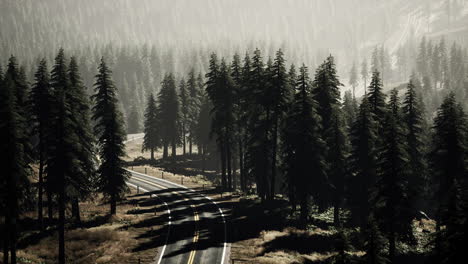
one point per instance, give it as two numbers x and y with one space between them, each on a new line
223 165
50 209
152 153
184 140
241 167
392 246
40 217
336 213
273 156
76 210
174 148
234 171
190 145
113 204
6 238
61 225
229 171
165 150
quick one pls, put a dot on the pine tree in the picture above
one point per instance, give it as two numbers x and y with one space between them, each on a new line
374 243
279 105
220 89
327 93
393 210
364 164
350 110
81 182
61 158
109 129
243 117
353 79
257 155
449 170
238 113
184 113
151 140
376 64
14 179
39 101
303 148
133 124
376 99
364 74
203 128
422 58
168 110
195 95
416 142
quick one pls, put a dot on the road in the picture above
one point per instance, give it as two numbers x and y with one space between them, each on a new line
195 226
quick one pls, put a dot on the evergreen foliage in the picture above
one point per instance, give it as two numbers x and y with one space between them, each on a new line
168 110
303 149
151 140
109 129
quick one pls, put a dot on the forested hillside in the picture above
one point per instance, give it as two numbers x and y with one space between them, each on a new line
352 109
143 41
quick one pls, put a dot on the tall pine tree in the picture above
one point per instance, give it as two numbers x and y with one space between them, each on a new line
449 169
151 140
109 129
303 148
393 211
40 110
168 110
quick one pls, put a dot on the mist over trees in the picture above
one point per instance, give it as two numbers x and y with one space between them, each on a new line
377 135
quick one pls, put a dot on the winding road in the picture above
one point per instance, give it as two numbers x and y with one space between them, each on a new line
195 225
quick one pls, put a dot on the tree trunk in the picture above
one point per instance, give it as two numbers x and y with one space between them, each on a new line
174 150
336 214
50 209
229 171
199 149
61 225
391 247
40 217
234 171
76 210
223 166
241 168
304 211
152 153
203 158
190 145
12 214
166 150
6 237
13 236
184 142
113 205
273 163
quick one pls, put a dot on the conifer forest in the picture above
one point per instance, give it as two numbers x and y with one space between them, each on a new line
248 131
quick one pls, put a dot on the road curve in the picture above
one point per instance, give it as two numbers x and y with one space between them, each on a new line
196 226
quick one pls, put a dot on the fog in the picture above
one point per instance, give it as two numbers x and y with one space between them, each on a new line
307 29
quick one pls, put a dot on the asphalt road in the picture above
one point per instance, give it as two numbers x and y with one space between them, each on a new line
194 225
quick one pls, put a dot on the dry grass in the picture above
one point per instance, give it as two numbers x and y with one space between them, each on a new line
95 245
265 249
100 239
195 181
